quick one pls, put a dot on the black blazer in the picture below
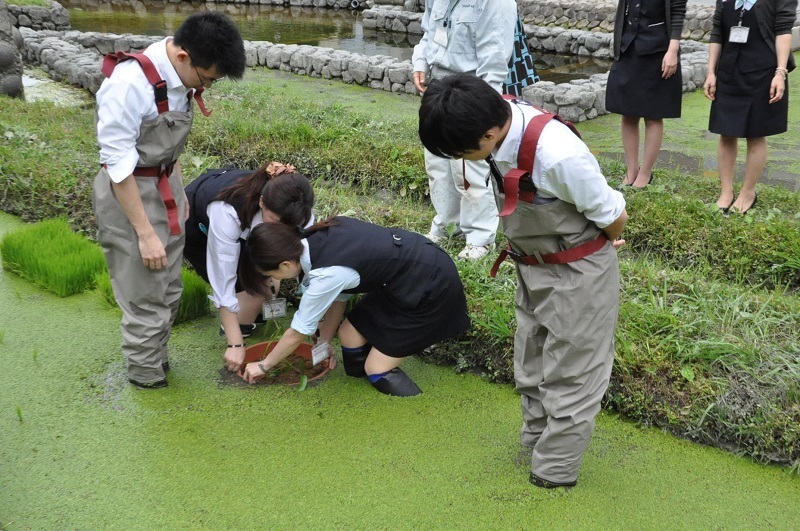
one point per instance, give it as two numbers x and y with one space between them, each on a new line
675 10
775 17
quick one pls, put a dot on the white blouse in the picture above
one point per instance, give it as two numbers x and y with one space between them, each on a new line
222 252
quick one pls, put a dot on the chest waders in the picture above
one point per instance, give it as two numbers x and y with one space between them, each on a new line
148 298
566 308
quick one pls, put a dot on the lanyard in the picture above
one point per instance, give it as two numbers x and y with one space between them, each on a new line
449 14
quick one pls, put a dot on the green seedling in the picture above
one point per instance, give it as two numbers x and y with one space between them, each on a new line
51 255
19 413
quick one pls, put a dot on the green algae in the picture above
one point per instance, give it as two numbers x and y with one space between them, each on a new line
94 453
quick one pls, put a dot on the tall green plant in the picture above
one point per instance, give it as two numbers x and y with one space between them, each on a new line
51 255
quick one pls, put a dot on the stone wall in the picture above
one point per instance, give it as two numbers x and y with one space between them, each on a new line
584 43
598 15
584 99
10 61
55 17
75 57
395 20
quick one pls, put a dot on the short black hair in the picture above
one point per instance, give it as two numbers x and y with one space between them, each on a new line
456 112
212 40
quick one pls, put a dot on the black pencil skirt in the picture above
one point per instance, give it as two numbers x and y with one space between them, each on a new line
741 107
635 87
399 331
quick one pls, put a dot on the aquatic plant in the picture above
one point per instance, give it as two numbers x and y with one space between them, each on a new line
51 255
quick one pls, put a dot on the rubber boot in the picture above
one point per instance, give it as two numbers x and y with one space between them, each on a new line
354 360
397 383
545 484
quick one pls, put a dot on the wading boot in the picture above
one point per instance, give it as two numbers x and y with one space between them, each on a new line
354 359
396 383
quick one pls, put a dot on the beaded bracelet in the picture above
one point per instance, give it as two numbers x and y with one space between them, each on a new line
237 345
781 71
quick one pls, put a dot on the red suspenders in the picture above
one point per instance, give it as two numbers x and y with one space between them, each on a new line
162 104
511 186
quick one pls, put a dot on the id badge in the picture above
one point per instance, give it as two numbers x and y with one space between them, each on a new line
739 34
320 352
274 308
440 37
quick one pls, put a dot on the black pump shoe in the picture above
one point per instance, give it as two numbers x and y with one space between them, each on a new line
649 180
746 210
727 208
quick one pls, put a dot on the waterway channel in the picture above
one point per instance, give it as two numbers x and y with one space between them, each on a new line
340 29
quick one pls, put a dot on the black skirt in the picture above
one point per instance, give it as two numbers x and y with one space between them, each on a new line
635 87
741 106
399 332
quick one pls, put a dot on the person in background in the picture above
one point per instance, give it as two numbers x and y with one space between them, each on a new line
413 296
563 230
224 206
475 37
749 59
144 115
645 80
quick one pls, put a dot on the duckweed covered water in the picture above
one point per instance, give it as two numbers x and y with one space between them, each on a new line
81 449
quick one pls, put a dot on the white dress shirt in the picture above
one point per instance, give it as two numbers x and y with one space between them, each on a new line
563 168
125 100
222 252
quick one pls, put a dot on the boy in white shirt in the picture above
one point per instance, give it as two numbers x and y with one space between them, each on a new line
144 115
563 224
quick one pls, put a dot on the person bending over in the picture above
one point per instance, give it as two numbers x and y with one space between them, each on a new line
563 228
413 296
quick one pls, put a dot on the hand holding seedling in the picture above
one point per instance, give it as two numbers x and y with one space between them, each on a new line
253 373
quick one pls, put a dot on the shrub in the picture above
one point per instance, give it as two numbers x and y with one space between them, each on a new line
51 255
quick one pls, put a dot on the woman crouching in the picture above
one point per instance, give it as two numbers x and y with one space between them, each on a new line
413 296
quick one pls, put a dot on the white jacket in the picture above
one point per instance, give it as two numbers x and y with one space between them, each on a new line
480 39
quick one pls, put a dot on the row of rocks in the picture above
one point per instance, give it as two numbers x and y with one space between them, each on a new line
584 43
75 57
591 17
10 60
54 17
395 20
584 99
599 15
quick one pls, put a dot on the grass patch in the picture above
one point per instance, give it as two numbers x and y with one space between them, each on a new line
42 3
48 160
194 298
51 255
